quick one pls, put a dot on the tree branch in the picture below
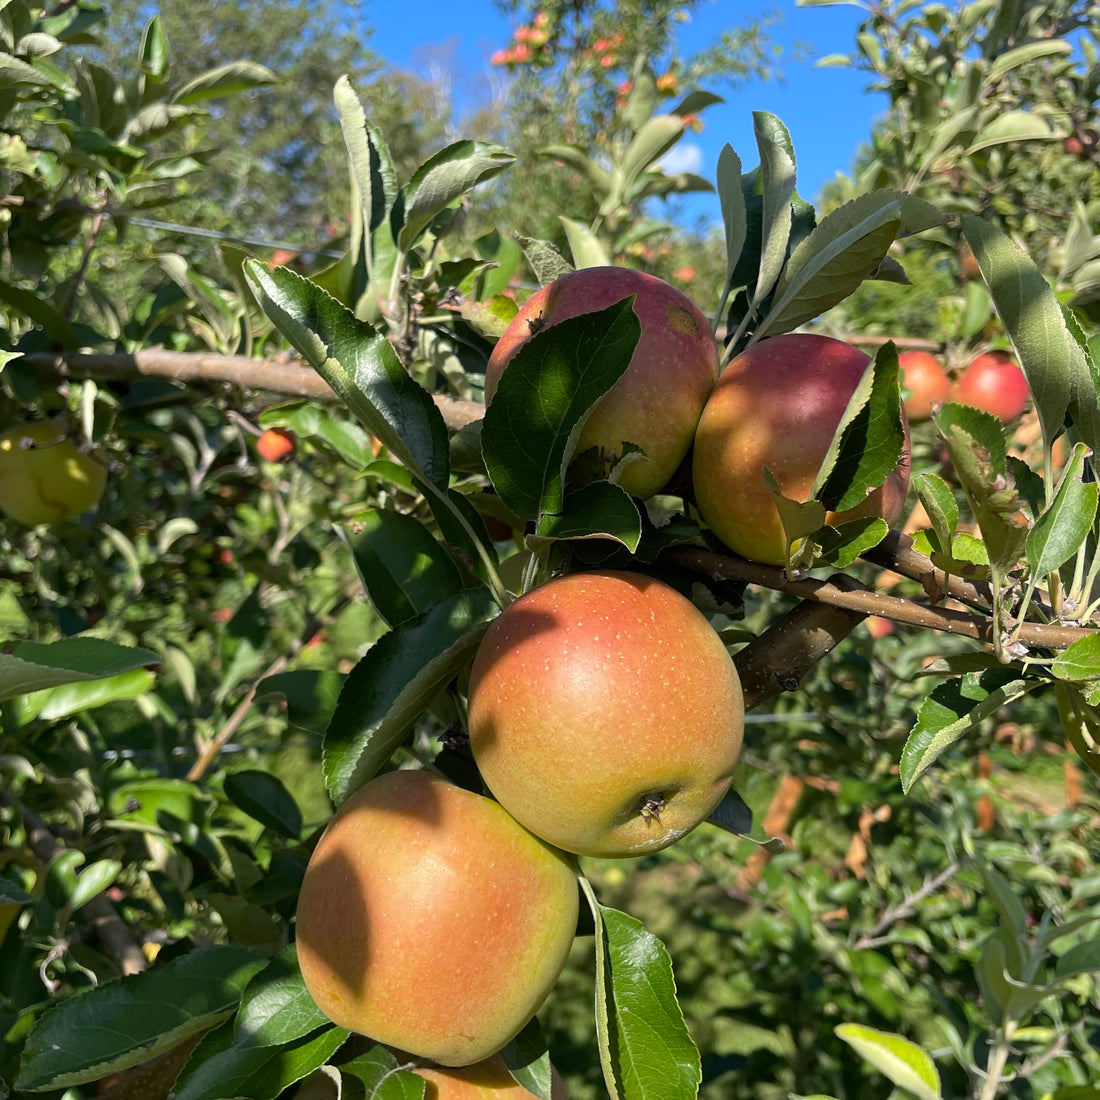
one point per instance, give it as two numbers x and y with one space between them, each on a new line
866 602
288 377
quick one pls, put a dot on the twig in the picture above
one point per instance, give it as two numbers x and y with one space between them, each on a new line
867 602
904 908
209 752
290 377
100 913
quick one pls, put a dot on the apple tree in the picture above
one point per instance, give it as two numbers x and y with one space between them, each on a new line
150 916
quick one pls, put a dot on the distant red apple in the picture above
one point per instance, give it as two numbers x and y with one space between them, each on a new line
275 444
994 383
878 627
926 381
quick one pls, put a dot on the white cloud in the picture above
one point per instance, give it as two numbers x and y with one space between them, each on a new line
682 157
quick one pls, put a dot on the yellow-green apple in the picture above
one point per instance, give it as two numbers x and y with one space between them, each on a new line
994 383
488 1080
656 403
777 406
926 381
429 920
44 476
605 713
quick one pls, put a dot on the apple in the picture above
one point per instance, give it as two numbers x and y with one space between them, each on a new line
994 383
605 713
778 405
488 1080
657 402
926 381
429 920
878 627
275 444
45 477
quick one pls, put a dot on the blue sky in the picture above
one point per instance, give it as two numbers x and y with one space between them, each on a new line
826 110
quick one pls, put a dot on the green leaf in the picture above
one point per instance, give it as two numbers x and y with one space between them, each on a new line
1080 661
649 144
952 710
734 214
777 169
224 1065
1052 360
1005 62
276 1007
528 1060
444 177
584 246
68 699
10 894
543 398
939 502
842 251
545 261
1061 529
383 1077
35 666
125 1022
376 191
1081 958
404 569
154 49
903 1062
264 797
1013 126
1006 996
229 79
576 157
868 440
310 695
599 510
393 684
655 1058
360 364
976 443
93 880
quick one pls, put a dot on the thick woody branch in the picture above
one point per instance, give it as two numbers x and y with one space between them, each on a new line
779 658
292 378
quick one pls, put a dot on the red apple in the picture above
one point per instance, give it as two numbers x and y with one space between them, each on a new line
878 627
275 444
926 381
429 920
657 402
994 383
778 405
605 713
488 1080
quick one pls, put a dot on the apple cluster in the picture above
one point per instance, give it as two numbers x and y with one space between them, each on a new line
605 714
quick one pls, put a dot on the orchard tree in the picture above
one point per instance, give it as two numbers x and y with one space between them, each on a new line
376 612
585 78
493 556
